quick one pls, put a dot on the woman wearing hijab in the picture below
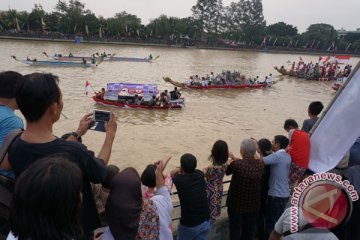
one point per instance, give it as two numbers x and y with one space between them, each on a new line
130 216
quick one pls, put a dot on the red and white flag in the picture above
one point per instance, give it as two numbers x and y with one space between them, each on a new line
87 87
326 59
342 59
338 129
320 58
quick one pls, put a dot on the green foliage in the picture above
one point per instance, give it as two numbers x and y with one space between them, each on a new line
209 13
35 17
321 32
352 37
281 29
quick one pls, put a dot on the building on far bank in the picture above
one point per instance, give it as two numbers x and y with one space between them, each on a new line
342 32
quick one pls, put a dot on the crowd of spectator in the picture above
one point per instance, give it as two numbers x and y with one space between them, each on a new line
62 188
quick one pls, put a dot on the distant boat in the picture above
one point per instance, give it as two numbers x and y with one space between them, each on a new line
70 58
108 57
130 59
35 62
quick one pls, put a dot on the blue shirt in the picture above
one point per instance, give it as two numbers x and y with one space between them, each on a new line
279 173
8 122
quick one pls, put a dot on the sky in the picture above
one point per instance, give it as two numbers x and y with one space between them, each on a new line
341 14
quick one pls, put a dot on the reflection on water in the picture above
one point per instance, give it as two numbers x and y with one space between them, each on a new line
145 136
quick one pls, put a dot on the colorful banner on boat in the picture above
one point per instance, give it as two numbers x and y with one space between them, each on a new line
113 90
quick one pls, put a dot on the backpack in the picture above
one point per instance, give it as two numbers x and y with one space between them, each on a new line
6 186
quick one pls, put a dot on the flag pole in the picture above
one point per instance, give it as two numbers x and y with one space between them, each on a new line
91 87
357 67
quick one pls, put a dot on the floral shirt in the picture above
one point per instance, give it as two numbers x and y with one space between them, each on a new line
214 176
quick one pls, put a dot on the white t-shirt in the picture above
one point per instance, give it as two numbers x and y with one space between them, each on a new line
283 225
164 207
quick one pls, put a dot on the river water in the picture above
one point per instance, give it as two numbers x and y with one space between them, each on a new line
145 136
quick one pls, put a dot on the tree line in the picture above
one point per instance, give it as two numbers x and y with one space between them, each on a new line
212 23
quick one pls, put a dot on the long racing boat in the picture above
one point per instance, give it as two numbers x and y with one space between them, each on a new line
224 86
35 62
292 73
105 57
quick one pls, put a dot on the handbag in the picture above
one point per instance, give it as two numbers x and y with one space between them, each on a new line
6 185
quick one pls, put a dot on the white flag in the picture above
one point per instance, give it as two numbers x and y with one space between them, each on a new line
17 25
338 129
100 32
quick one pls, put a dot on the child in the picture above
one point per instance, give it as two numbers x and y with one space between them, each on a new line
148 180
299 151
195 214
214 175
314 110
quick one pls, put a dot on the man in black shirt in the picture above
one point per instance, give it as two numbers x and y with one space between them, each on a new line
191 187
40 100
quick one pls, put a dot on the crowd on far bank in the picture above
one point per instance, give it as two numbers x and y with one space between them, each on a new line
61 188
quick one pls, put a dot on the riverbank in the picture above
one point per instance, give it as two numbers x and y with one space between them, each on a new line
169 45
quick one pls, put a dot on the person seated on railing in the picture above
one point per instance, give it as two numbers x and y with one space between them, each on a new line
130 216
70 54
83 61
214 175
195 213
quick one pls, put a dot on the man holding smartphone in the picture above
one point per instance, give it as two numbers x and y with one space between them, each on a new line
40 100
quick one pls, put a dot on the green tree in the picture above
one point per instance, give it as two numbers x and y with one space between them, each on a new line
281 29
253 25
92 22
35 17
352 37
209 13
324 33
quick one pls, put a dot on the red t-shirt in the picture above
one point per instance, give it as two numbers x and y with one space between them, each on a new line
299 148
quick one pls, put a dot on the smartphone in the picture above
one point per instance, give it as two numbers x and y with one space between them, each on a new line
100 117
